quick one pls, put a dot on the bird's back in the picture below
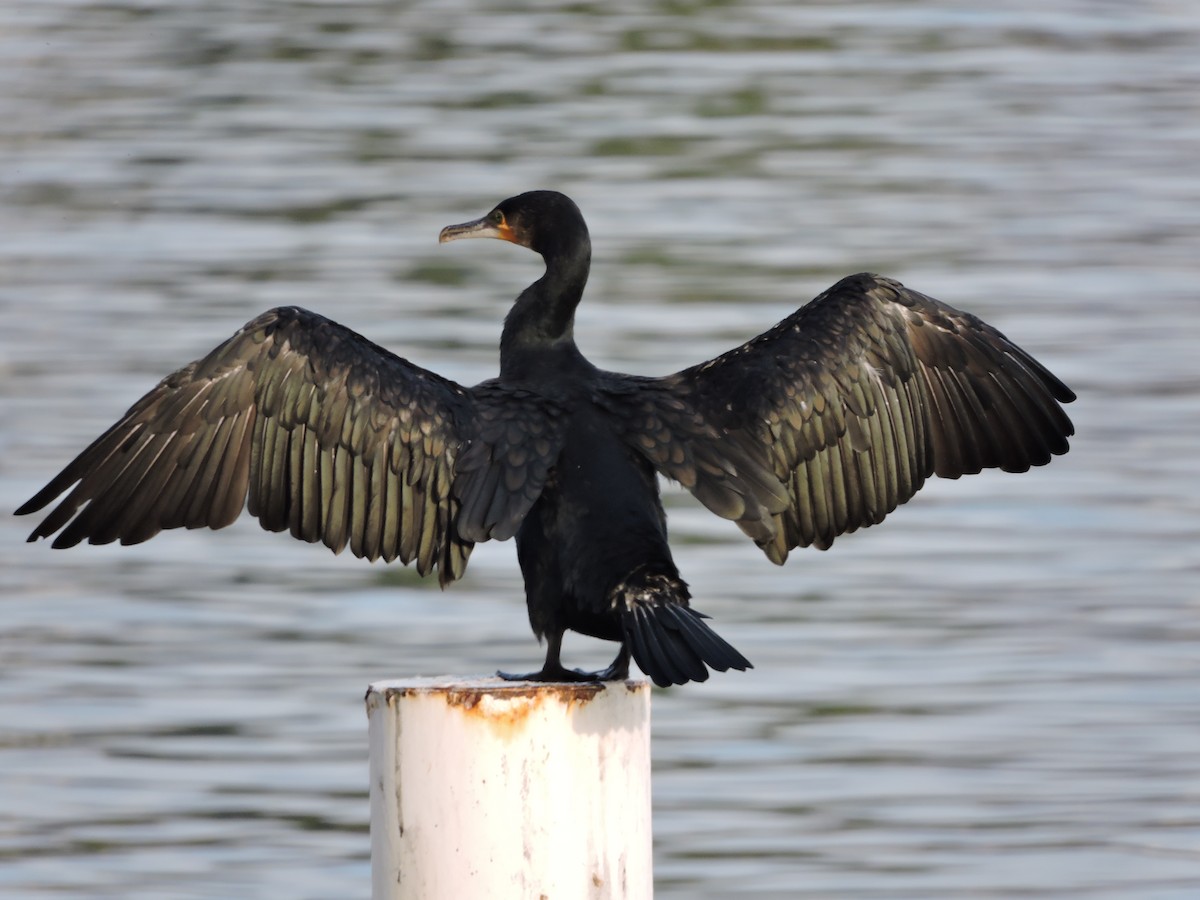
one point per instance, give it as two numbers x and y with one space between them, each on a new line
600 514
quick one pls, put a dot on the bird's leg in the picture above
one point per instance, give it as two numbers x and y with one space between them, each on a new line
619 669
553 669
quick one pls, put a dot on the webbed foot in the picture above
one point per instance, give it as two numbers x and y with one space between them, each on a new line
553 673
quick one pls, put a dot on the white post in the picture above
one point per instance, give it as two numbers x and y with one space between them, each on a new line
483 788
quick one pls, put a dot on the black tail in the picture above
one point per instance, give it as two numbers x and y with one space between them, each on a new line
669 640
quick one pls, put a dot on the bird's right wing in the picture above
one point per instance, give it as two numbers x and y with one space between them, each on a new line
828 421
326 435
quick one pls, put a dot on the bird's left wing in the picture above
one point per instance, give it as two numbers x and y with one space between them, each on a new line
828 421
321 433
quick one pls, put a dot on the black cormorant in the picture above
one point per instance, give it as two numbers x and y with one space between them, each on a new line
817 427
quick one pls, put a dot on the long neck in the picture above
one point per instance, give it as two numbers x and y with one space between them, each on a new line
542 321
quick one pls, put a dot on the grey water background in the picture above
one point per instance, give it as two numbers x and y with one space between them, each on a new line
994 694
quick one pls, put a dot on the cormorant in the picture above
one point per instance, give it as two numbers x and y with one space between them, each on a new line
822 425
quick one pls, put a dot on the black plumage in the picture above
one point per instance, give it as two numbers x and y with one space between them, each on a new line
821 425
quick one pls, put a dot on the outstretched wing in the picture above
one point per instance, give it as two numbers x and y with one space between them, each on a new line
838 414
326 435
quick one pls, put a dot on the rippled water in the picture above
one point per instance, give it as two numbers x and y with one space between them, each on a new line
993 695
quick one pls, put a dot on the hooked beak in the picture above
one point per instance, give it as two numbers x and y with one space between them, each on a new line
480 228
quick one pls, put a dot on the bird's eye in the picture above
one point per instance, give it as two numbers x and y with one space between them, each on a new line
497 217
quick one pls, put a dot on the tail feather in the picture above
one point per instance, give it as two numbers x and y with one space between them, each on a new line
714 650
669 640
676 660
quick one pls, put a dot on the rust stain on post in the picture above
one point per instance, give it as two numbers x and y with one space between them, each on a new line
507 709
570 694
506 706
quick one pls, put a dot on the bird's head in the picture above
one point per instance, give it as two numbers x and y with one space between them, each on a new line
547 222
